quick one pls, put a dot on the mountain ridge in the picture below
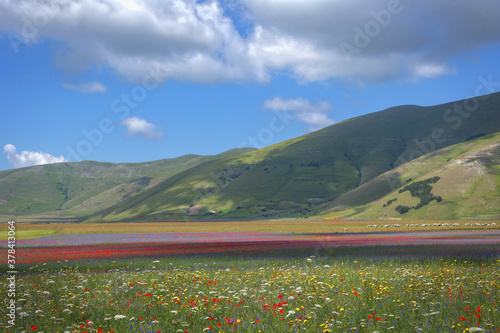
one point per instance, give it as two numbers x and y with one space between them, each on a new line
292 177
301 177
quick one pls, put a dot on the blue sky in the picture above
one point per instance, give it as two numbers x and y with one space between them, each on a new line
134 81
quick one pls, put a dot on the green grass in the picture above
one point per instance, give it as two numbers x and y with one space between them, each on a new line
26 234
284 294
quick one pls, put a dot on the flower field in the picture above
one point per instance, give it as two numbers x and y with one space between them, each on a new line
92 246
257 282
227 294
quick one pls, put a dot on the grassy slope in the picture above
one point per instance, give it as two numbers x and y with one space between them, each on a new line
292 178
469 184
81 188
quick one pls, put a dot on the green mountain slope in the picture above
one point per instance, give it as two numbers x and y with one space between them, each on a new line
467 180
301 176
83 188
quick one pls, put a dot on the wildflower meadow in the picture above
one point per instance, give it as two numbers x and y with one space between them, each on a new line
228 293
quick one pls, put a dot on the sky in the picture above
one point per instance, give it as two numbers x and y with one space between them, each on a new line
135 81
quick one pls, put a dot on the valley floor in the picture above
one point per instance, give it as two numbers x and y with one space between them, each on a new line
212 277
33 229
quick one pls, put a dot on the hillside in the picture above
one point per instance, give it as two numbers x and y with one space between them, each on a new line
305 175
83 188
467 180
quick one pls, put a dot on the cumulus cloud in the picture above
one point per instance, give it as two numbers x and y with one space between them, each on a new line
185 39
29 158
315 116
372 40
140 127
88 88
251 40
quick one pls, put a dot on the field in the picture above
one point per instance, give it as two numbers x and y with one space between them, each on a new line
30 230
227 294
206 277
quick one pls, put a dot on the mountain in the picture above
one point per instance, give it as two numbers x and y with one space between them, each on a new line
465 176
316 172
352 168
83 188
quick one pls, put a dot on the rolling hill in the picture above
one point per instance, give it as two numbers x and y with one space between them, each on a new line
77 189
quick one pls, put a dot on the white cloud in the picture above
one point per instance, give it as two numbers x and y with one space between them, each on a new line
187 40
388 40
431 70
90 87
29 158
297 104
313 115
140 127
191 40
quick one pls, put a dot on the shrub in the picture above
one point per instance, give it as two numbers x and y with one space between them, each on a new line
422 190
390 202
402 209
